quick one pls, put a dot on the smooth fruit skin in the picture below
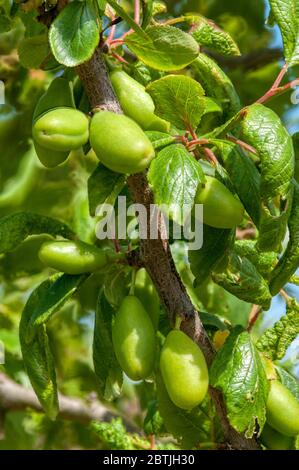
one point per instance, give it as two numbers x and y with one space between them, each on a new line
274 440
148 295
73 257
119 143
220 208
50 158
184 370
158 124
61 129
282 409
134 100
134 339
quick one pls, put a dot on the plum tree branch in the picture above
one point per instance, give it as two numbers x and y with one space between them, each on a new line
155 253
14 396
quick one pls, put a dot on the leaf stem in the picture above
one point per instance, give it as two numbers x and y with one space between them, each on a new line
276 89
210 155
178 322
119 58
253 316
137 11
285 296
242 144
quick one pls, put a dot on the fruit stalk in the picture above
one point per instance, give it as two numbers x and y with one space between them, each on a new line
155 254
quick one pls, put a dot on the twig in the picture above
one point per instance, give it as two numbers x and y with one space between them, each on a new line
275 89
285 296
253 316
14 396
280 76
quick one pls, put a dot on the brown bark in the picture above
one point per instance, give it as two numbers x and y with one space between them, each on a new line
14 396
155 254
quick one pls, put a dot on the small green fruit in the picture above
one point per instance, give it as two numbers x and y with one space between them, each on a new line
134 339
220 208
74 257
274 440
148 296
61 129
282 409
119 143
184 370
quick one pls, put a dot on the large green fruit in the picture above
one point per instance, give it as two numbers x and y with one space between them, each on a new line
134 339
184 370
147 294
61 129
119 143
282 409
74 257
274 440
136 102
220 208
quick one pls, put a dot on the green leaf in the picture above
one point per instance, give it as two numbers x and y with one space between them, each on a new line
33 51
244 176
288 381
153 421
74 34
212 321
164 47
174 176
263 129
263 261
160 139
121 12
216 84
242 279
108 373
188 427
59 289
286 15
238 372
58 95
289 261
44 301
178 99
102 5
15 228
275 341
208 34
216 243
104 186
